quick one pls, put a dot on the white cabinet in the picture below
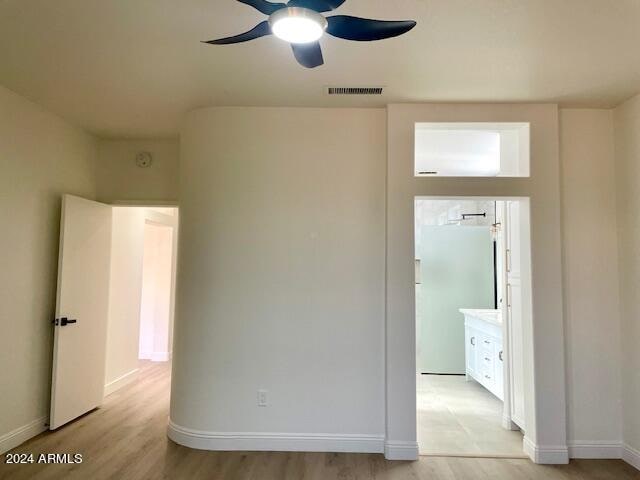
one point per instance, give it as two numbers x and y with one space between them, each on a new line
484 353
516 304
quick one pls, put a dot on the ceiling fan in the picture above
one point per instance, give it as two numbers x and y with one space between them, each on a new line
301 23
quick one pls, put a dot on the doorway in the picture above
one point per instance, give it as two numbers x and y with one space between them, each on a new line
471 301
142 292
116 284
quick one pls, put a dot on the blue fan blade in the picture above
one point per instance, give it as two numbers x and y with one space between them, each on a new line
308 54
366 30
260 30
263 6
317 5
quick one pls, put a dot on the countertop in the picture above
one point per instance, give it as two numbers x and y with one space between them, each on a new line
490 316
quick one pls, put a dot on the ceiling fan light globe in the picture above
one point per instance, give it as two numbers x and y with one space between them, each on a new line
297 25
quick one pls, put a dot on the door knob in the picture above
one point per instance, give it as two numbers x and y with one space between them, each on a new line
64 321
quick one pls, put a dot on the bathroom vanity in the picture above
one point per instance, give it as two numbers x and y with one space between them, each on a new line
483 349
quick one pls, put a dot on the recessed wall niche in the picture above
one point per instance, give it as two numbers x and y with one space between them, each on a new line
472 149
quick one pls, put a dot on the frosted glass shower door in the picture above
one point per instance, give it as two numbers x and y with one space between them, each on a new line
456 264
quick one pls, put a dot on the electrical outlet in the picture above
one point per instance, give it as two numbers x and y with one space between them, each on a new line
262 398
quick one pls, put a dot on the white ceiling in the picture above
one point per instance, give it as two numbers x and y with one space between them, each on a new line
131 68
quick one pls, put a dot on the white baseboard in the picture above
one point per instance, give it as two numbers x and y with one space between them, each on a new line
631 456
160 356
509 424
275 442
401 450
546 454
605 450
20 435
155 356
519 422
120 382
595 450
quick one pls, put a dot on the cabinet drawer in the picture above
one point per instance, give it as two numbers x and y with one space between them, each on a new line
487 344
488 376
487 360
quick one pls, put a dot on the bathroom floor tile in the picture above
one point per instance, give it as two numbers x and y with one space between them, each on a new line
460 417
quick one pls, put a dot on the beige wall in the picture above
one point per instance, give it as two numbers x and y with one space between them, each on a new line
627 144
281 276
120 179
41 157
591 293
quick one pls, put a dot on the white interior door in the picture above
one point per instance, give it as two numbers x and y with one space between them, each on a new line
82 309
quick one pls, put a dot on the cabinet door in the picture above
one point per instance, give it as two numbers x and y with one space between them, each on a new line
515 311
471 341
499 371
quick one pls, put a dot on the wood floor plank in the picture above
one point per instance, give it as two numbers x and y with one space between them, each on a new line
126 440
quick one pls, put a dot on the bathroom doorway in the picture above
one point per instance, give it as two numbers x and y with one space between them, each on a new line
471 305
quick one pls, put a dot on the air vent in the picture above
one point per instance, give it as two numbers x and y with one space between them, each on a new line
355 90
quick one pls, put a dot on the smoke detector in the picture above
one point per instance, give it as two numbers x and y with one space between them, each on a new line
144 159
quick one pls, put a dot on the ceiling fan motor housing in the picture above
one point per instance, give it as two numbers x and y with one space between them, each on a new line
297 24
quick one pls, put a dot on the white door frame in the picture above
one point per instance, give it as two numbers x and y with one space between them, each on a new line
546 435
507 423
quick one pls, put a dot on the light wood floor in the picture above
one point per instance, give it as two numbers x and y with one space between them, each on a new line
126 440
460 417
